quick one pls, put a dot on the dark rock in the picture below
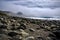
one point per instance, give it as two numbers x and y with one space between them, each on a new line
13 25
38 28
57 33
3 26
12 34
52 36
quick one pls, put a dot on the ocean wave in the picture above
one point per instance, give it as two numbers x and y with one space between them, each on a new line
43 18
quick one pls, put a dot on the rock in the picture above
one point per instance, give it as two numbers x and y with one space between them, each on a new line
17 24
12 20
51 35
38 28
54 29
3 37
30 38
3 26
4 22
1 18
39 38
17 37
14 26
57 33
49 38
22 26
20 38
47 27
10 28
32 30
53 25
24 34
12 34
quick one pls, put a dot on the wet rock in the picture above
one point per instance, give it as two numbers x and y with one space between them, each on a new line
12 34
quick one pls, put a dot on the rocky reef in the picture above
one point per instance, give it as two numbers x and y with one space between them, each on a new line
18 28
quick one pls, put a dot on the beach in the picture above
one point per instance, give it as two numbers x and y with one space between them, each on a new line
20 28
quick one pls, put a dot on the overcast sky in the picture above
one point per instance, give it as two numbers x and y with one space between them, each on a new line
32 7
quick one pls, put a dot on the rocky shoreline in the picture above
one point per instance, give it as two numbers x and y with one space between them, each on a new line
18 28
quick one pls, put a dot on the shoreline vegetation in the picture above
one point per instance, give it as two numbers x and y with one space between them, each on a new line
18 28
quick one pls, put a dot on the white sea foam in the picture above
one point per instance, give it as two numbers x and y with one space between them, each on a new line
43 18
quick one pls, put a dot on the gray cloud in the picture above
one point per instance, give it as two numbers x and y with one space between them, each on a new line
30 8
9 0
40 4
